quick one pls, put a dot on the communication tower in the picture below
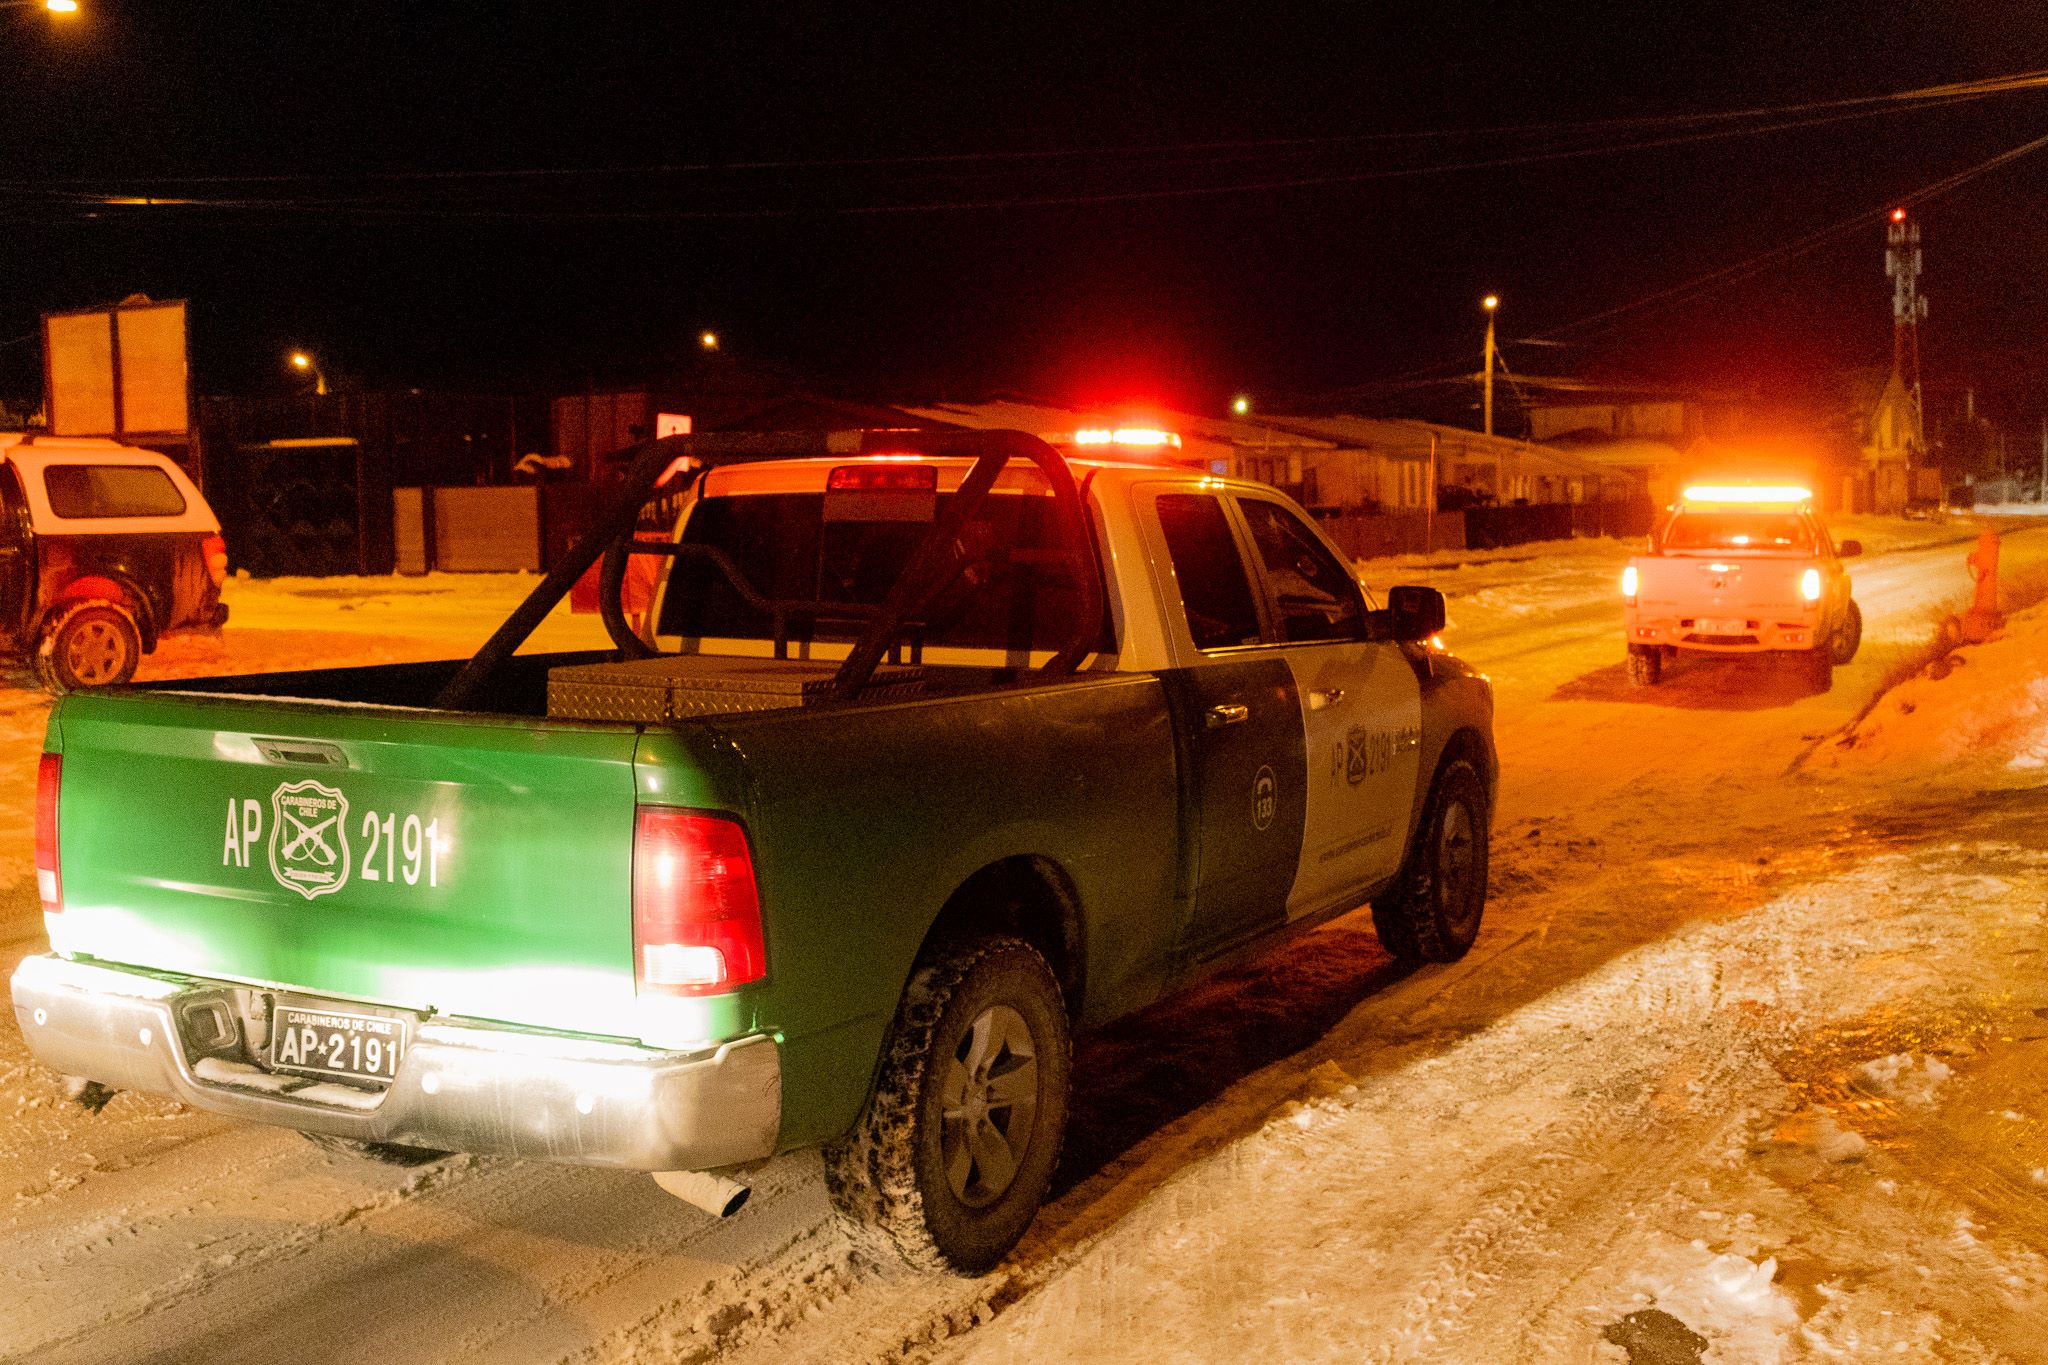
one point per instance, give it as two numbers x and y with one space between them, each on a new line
1909 305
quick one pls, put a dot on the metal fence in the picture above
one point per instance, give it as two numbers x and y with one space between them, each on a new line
1371 535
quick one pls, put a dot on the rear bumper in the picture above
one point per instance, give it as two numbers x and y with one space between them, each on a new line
1759 635
461 1087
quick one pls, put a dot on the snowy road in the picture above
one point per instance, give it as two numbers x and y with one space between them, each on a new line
1759 1053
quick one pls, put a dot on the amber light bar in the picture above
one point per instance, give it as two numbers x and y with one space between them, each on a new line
1744 492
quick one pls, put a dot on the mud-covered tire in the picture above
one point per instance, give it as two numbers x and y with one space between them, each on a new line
896 1193
92 643
1817 666
1645 667
384 1153
1847 635
1432 912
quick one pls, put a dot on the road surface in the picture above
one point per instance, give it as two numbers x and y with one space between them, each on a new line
1604 1121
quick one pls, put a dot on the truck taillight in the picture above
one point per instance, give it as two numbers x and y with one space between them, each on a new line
1809 585
1629 581
696 910
49 880
216 551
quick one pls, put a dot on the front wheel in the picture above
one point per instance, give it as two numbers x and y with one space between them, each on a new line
1847 634
949 1162
88 644
1431 913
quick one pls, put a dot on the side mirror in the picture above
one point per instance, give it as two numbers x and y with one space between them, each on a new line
1849 549
1415 613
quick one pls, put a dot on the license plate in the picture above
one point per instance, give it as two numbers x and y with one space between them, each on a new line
324 1042
1721 627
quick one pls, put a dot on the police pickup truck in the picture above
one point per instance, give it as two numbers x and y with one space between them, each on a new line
1741 569
933 748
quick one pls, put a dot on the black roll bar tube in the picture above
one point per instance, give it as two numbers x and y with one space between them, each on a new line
921 578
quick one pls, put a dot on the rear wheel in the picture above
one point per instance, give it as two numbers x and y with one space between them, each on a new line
1432 912
949 1162
1645 667
88 644
1847 634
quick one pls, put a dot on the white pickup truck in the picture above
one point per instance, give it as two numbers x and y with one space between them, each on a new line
1741 569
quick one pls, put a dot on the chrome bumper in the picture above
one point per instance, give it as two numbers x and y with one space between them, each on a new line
461 1087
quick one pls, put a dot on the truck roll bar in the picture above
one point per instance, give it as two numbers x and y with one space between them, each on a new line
931 567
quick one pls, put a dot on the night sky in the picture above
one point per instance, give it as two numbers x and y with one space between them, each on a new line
327 138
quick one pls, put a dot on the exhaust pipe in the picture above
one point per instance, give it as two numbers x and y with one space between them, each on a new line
715 1194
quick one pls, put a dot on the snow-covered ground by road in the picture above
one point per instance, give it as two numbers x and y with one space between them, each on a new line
1747 1062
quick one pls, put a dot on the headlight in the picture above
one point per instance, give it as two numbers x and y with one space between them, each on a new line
1628 581
1809 585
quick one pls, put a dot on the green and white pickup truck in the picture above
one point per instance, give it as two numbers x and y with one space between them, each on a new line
931 748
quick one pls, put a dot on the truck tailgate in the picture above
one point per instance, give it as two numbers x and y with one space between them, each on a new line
472 865
1730 585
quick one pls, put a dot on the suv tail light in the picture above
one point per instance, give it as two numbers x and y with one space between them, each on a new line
696 909
216 551
49 880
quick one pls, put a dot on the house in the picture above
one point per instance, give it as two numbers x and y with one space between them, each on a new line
1381 464
1884 427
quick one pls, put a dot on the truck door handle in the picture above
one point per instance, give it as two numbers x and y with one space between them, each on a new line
1318 698
1229 713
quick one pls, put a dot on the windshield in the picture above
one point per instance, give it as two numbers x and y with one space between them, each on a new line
1738 530
1017 593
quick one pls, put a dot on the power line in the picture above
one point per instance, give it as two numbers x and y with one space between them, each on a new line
393 201
1604 320
1944 93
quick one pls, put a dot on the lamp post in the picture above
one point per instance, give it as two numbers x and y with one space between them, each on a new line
305 363
708 340
1489 303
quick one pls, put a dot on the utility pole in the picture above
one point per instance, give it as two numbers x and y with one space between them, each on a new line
2041 492
1489 303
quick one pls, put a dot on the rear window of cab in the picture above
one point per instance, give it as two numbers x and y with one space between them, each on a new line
83 492
1738 530
1014 592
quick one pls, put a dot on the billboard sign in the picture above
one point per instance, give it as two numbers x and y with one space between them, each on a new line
119 371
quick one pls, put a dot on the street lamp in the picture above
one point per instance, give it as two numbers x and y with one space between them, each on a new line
1490 303
53 6
1241 405
708 340
304 363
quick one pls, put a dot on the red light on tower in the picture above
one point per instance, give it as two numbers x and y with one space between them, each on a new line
1898 215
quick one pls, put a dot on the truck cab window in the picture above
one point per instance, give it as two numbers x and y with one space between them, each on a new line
1213 588
1314 598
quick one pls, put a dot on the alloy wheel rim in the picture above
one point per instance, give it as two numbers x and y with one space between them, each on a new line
988 1106
1457 859
96 653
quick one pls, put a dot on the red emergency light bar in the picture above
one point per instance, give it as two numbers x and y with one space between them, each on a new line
1127 436
883 478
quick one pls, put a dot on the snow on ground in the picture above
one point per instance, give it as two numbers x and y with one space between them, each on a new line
1746 1066
1976 715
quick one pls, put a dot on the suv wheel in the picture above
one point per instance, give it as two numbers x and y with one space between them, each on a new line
88 644
1431 914
949 1162
1645 667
